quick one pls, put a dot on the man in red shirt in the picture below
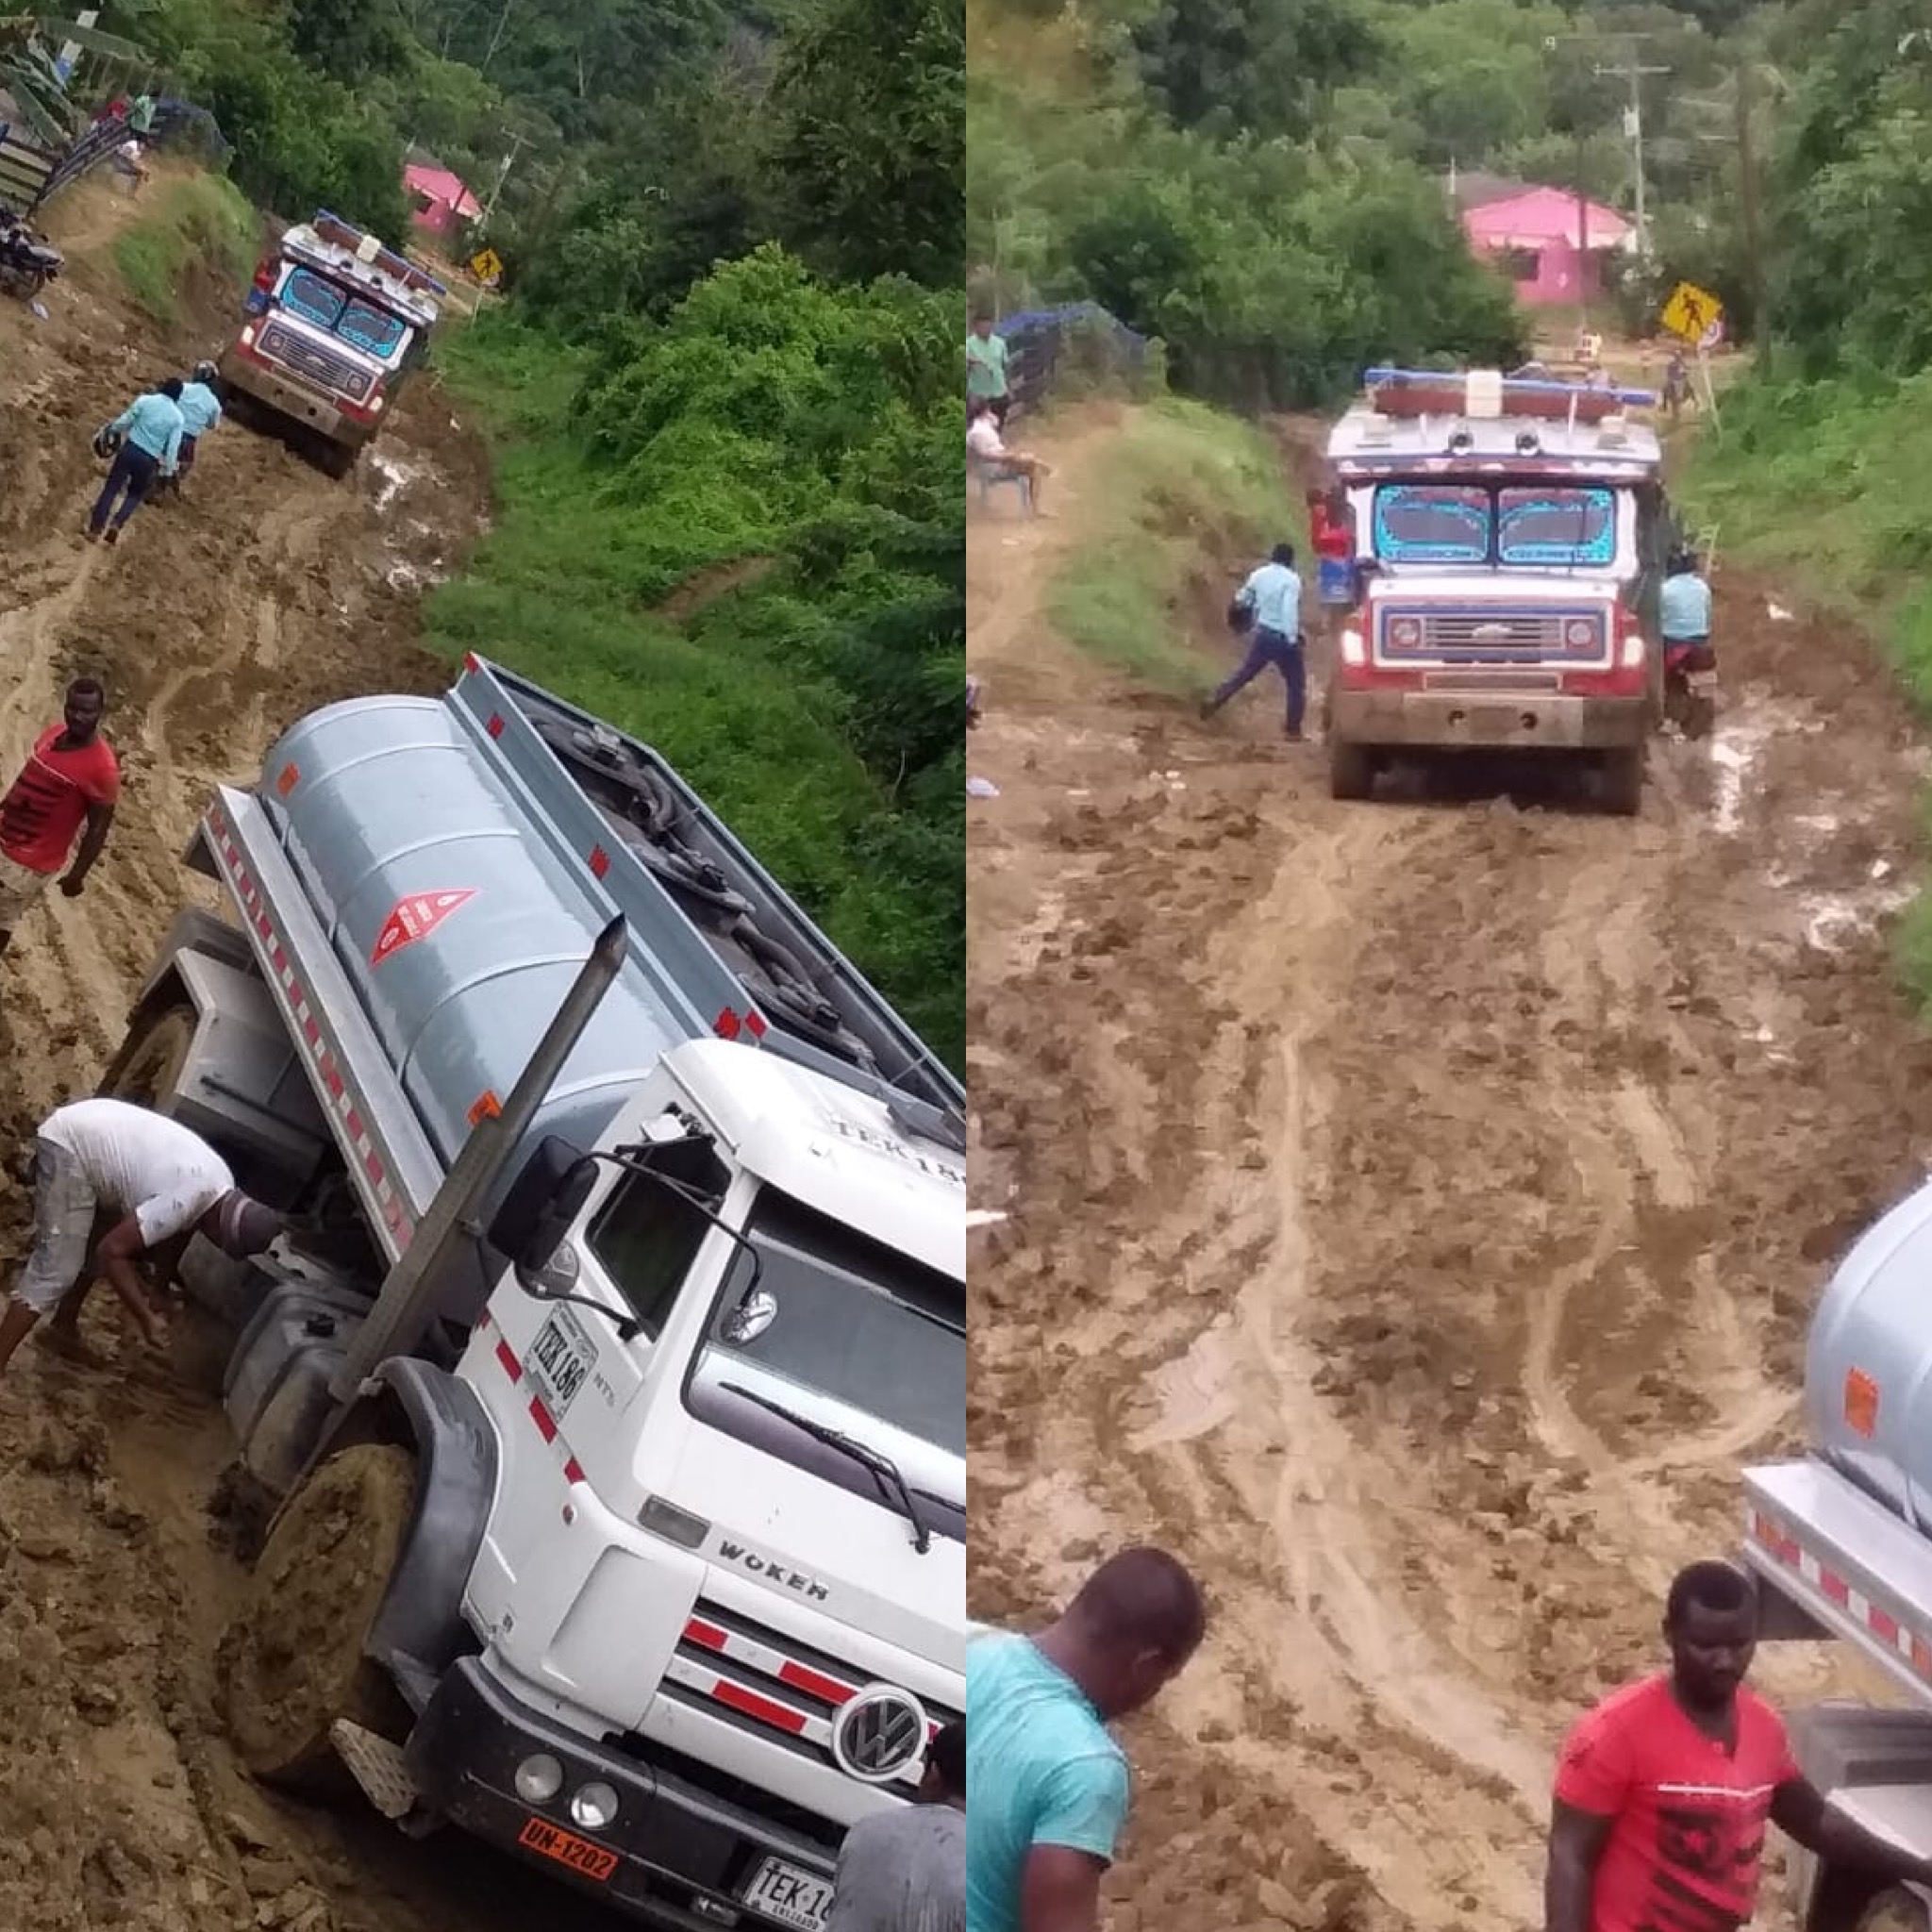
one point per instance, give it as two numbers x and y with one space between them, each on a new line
1663 1790
73 780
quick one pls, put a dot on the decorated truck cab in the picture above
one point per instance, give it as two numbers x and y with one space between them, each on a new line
337 325
1510 535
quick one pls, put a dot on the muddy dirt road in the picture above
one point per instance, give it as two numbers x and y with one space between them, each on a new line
214 624
1412 1214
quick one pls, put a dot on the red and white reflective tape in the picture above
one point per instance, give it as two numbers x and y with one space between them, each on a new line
539 1411
309 1028
768 1662
1777 1541
733 1695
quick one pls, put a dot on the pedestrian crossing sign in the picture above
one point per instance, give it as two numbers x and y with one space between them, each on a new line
486 265
1691 312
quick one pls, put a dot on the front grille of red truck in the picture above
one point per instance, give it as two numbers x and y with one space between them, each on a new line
769 1684
335 373
1473 633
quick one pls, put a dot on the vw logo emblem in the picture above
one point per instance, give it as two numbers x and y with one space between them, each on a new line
878 1733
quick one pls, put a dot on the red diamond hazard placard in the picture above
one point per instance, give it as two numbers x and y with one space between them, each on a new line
415 918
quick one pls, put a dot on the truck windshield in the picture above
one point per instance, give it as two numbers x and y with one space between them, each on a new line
365 325
1433 522
857 1322
1556 524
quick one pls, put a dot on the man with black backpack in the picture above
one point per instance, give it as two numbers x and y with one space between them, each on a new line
1269 607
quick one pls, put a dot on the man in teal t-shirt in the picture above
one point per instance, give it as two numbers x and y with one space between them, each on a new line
1049 1785
986 367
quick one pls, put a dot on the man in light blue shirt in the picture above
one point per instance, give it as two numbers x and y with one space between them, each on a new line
1049 1785
1684 604
201 409
1271 600
150 431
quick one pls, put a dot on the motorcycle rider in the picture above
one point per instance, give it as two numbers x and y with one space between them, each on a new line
1684 616
201 409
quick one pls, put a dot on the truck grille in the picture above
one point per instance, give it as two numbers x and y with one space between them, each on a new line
337 374
731 1668
1410 636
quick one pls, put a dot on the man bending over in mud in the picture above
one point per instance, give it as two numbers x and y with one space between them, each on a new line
1049 1785
1664 1788
160 1181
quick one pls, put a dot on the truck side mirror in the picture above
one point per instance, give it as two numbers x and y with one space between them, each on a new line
542 1204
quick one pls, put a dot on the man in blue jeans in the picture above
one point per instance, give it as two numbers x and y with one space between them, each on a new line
1273 596
150 428
1049 1784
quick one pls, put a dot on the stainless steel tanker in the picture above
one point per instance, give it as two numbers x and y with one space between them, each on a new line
1840 1543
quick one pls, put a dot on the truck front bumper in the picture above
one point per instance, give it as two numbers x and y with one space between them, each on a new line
682 1857
1487 720
292 399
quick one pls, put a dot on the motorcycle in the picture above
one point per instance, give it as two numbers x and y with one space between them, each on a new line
1690 687
27 261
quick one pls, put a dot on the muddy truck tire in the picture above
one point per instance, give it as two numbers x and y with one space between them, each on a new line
148 1068
1620 781
292 1659
1351 769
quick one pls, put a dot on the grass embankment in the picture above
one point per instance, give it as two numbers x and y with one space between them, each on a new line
197 221
623 601
1186 499
1830 485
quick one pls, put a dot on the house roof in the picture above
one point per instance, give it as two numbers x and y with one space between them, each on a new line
1474 189
1540 215
440 185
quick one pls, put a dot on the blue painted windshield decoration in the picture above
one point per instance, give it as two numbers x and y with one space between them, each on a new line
1554 525
316 299
1432 522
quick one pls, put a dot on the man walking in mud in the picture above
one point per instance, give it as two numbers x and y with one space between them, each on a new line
150 427
1663 1790
1049 1784
161 1182
67 788
1271 600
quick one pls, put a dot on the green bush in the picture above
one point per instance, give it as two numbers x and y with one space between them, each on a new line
202 219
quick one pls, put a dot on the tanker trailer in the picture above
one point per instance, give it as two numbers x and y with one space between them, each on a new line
619 1343
1841 1543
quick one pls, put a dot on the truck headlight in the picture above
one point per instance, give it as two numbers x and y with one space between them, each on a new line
1354 651
539 1779
593 1805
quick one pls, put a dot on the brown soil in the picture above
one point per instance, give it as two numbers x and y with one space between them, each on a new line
1412 1211
214 625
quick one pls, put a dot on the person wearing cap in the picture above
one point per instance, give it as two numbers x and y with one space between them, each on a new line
159 1181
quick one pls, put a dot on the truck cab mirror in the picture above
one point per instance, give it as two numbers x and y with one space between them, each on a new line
541 1204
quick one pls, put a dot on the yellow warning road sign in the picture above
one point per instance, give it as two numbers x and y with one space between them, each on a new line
486 265
1691 311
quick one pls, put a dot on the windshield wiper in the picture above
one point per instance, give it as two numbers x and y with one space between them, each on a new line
883 1470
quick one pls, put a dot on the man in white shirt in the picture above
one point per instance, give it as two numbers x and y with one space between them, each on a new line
984 444
163 1183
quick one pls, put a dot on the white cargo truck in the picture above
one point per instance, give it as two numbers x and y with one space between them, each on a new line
1840 1543
611 1380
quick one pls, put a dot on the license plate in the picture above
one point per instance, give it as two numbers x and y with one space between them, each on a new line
567 1849
1702 680
789 1895
560 1360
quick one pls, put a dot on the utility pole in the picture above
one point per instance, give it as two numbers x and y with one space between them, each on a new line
1634 72
1748 205
503 174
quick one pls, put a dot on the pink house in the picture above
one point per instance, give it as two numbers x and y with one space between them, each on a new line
1538 237
439 205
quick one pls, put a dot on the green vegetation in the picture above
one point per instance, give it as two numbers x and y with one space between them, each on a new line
1183 485
203 219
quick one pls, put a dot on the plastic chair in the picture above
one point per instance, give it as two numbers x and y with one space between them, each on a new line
991 476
